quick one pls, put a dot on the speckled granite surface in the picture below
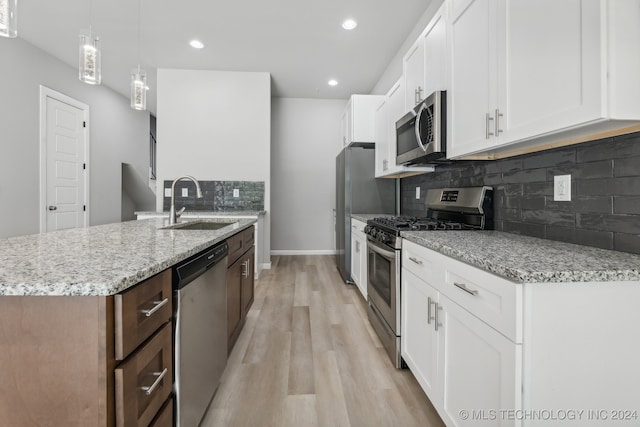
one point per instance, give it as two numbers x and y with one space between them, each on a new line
529 259
213 214
365 217
99 260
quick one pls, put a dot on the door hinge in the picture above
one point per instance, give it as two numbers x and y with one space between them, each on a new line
84 124
84 208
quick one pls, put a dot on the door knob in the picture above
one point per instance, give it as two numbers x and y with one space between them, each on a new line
53 208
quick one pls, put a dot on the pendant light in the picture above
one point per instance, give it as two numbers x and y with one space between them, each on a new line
9 18
139 78
89 67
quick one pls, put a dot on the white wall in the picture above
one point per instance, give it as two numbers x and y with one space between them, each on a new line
394 70
118 134
305 141
215 125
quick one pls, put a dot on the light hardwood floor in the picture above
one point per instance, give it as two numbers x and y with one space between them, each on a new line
308 357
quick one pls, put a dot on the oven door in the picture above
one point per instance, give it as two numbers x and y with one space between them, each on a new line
383 282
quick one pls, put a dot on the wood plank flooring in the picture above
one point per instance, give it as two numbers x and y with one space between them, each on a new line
308 357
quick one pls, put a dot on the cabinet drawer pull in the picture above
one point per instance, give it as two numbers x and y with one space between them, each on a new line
464 288
488 119
150 389
245 268
436 319
429 310
416 260
498 115
158 305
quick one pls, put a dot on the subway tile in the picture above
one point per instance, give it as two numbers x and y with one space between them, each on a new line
626 243
629 166
564 219
525 229
537 188
599 239
522 176
545 159
591 170
617 223
513 190
626 205
512 164
610 186
536 202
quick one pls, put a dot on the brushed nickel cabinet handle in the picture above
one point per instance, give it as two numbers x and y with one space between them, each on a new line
498 115
157 306
245 268
417 261
464 288
487 125
150 389
429 310
437 324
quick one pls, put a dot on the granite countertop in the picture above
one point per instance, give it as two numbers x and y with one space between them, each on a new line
528 259
365 217
100 260
187 214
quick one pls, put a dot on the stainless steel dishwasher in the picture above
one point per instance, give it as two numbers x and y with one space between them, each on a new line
200 295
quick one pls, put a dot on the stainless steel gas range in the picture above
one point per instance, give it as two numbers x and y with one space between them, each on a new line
469 208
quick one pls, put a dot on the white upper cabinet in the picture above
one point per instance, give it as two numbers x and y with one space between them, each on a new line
425 64
391 109
526 76
358 119
413 70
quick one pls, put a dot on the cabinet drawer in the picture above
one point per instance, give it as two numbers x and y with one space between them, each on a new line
144 381
140 311
165 416
493 299
357 225
420 262
239 243
248 237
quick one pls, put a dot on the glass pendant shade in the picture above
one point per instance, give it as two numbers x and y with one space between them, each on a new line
138 89
9 18
89 59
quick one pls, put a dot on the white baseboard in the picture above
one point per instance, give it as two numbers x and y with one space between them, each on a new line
304 252
266 265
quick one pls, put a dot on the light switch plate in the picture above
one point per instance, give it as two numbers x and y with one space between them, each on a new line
185 192
236 192
562 188
167 192
417 192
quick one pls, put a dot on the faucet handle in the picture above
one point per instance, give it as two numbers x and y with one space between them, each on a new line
178 213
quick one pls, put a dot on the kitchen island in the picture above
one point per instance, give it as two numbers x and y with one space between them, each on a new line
86 322
510 330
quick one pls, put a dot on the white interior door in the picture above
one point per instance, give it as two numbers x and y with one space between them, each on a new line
64 164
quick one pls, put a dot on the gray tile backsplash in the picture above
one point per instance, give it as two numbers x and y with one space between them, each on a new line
218 196
604 210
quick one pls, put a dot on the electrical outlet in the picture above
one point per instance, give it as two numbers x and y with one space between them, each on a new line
562 188
417 193
185 192
167 192
236 192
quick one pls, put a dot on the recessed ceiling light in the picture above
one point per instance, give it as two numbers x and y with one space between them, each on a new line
196 44
332 82
349 24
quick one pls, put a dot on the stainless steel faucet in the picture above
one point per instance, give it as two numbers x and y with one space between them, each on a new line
173 215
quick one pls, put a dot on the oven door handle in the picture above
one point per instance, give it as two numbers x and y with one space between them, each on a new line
387 254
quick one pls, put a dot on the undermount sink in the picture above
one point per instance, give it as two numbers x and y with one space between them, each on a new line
200 225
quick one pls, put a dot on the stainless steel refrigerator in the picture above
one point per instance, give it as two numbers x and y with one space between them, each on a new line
358 192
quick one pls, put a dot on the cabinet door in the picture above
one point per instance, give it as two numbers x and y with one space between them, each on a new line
435 52
480 369
472 75
356 249
419 337
549 66
395 111
248 276
413 67
382 139
234 302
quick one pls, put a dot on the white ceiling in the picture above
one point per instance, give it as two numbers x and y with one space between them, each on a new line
300 42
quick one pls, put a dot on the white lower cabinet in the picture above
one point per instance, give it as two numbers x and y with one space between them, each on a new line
359 256
460 362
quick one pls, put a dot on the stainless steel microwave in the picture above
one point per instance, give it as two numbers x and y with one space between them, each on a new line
421 133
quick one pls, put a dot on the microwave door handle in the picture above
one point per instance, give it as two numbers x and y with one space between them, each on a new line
417 126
